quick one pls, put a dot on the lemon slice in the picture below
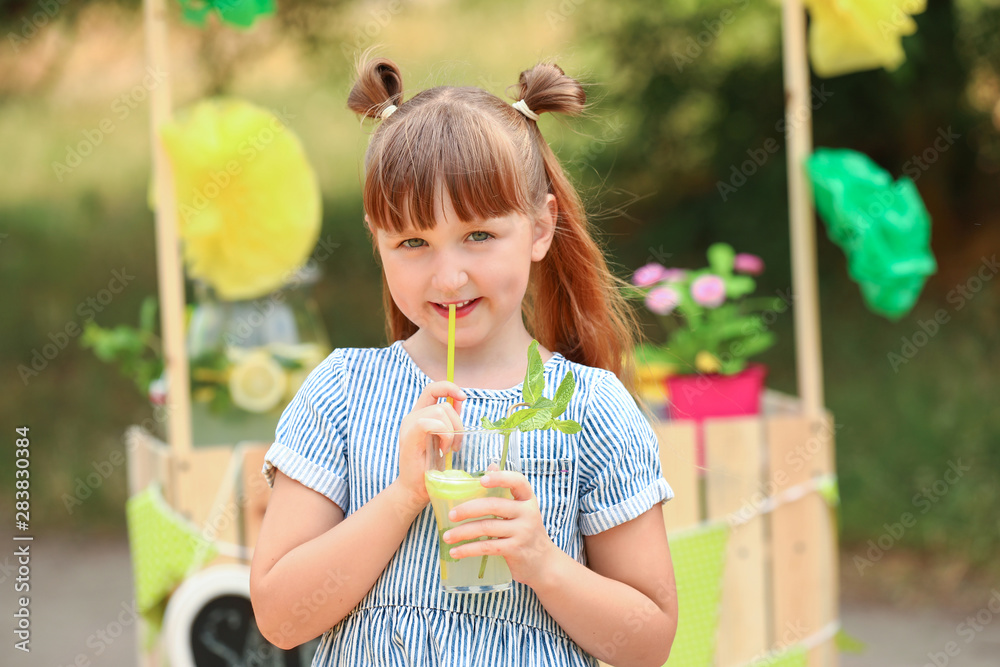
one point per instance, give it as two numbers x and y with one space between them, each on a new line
257 383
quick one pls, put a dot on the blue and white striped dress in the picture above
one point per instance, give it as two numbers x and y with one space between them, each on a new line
339 436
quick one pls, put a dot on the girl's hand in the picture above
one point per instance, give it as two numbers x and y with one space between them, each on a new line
521 536
426 417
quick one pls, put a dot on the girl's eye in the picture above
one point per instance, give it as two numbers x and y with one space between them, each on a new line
408 243
483 236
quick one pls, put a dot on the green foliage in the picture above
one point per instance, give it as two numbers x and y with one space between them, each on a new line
541 412
135 350
705 337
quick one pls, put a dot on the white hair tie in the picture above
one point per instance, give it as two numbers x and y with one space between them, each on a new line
388 111
522 106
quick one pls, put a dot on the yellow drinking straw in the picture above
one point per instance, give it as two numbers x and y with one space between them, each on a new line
451 365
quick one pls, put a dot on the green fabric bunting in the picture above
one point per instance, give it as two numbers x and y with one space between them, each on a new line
882 227
164 547
240 13
699 556
827 488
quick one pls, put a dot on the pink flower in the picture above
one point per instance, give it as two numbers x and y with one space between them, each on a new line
748 264
158 391
662 300
709 291
673 275
649 274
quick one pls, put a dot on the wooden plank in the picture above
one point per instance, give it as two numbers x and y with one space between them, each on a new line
199 476
734 450
677 456
802 534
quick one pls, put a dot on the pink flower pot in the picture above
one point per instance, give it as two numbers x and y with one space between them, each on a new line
699 397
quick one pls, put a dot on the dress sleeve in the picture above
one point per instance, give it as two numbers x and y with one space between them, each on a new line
310 443
621 476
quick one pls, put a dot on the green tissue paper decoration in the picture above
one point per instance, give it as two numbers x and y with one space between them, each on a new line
699 556
240 13
882 226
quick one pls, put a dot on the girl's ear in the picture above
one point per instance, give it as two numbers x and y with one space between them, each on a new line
544 228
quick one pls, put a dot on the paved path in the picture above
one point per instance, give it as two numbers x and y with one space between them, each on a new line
82 615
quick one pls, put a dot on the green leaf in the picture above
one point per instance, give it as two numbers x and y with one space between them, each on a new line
565 392
737 286
720 258
537 420
534 379
566 426
518 417
543 403
147 315
486 423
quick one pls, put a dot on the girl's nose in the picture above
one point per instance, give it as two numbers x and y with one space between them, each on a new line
449 275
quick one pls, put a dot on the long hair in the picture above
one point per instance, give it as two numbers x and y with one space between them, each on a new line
492 160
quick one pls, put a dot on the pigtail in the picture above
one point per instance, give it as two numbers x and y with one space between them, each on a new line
546 88
576 305
379 86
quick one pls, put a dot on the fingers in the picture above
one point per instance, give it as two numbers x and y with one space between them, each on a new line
438 390
518 484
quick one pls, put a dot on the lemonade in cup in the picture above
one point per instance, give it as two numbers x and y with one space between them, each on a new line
473 452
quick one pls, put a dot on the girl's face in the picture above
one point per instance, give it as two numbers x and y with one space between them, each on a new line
482 267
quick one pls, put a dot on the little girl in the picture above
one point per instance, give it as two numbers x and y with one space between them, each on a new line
466 204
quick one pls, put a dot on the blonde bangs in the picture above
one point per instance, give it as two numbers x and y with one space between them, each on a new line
446 145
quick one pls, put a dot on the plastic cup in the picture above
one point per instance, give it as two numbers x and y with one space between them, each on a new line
473 452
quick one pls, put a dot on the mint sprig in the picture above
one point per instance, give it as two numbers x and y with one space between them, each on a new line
537 413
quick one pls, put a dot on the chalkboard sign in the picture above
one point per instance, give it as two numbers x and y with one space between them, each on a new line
209 623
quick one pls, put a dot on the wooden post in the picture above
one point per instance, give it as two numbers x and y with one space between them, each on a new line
802 221
168 261
734 451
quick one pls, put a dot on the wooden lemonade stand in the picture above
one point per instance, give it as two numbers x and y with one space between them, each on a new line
762 479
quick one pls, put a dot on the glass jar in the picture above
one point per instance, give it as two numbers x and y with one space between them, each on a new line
248 358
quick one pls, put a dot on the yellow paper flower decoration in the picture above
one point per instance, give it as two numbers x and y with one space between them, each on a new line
248 203
851 35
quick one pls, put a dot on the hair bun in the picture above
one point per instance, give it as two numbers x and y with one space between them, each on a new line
379 84
546 88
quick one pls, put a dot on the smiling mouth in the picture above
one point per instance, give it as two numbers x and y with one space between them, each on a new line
462 308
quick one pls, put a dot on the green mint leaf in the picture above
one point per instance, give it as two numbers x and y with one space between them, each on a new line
486 423
543 403
519 417
564 393
566 426
534 378
535 421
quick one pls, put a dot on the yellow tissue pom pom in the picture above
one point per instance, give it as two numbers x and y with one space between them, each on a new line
248 203
852 35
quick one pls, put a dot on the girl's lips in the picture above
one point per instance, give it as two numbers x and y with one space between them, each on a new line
459 312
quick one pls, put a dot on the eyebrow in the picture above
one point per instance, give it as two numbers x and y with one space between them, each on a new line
490 223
